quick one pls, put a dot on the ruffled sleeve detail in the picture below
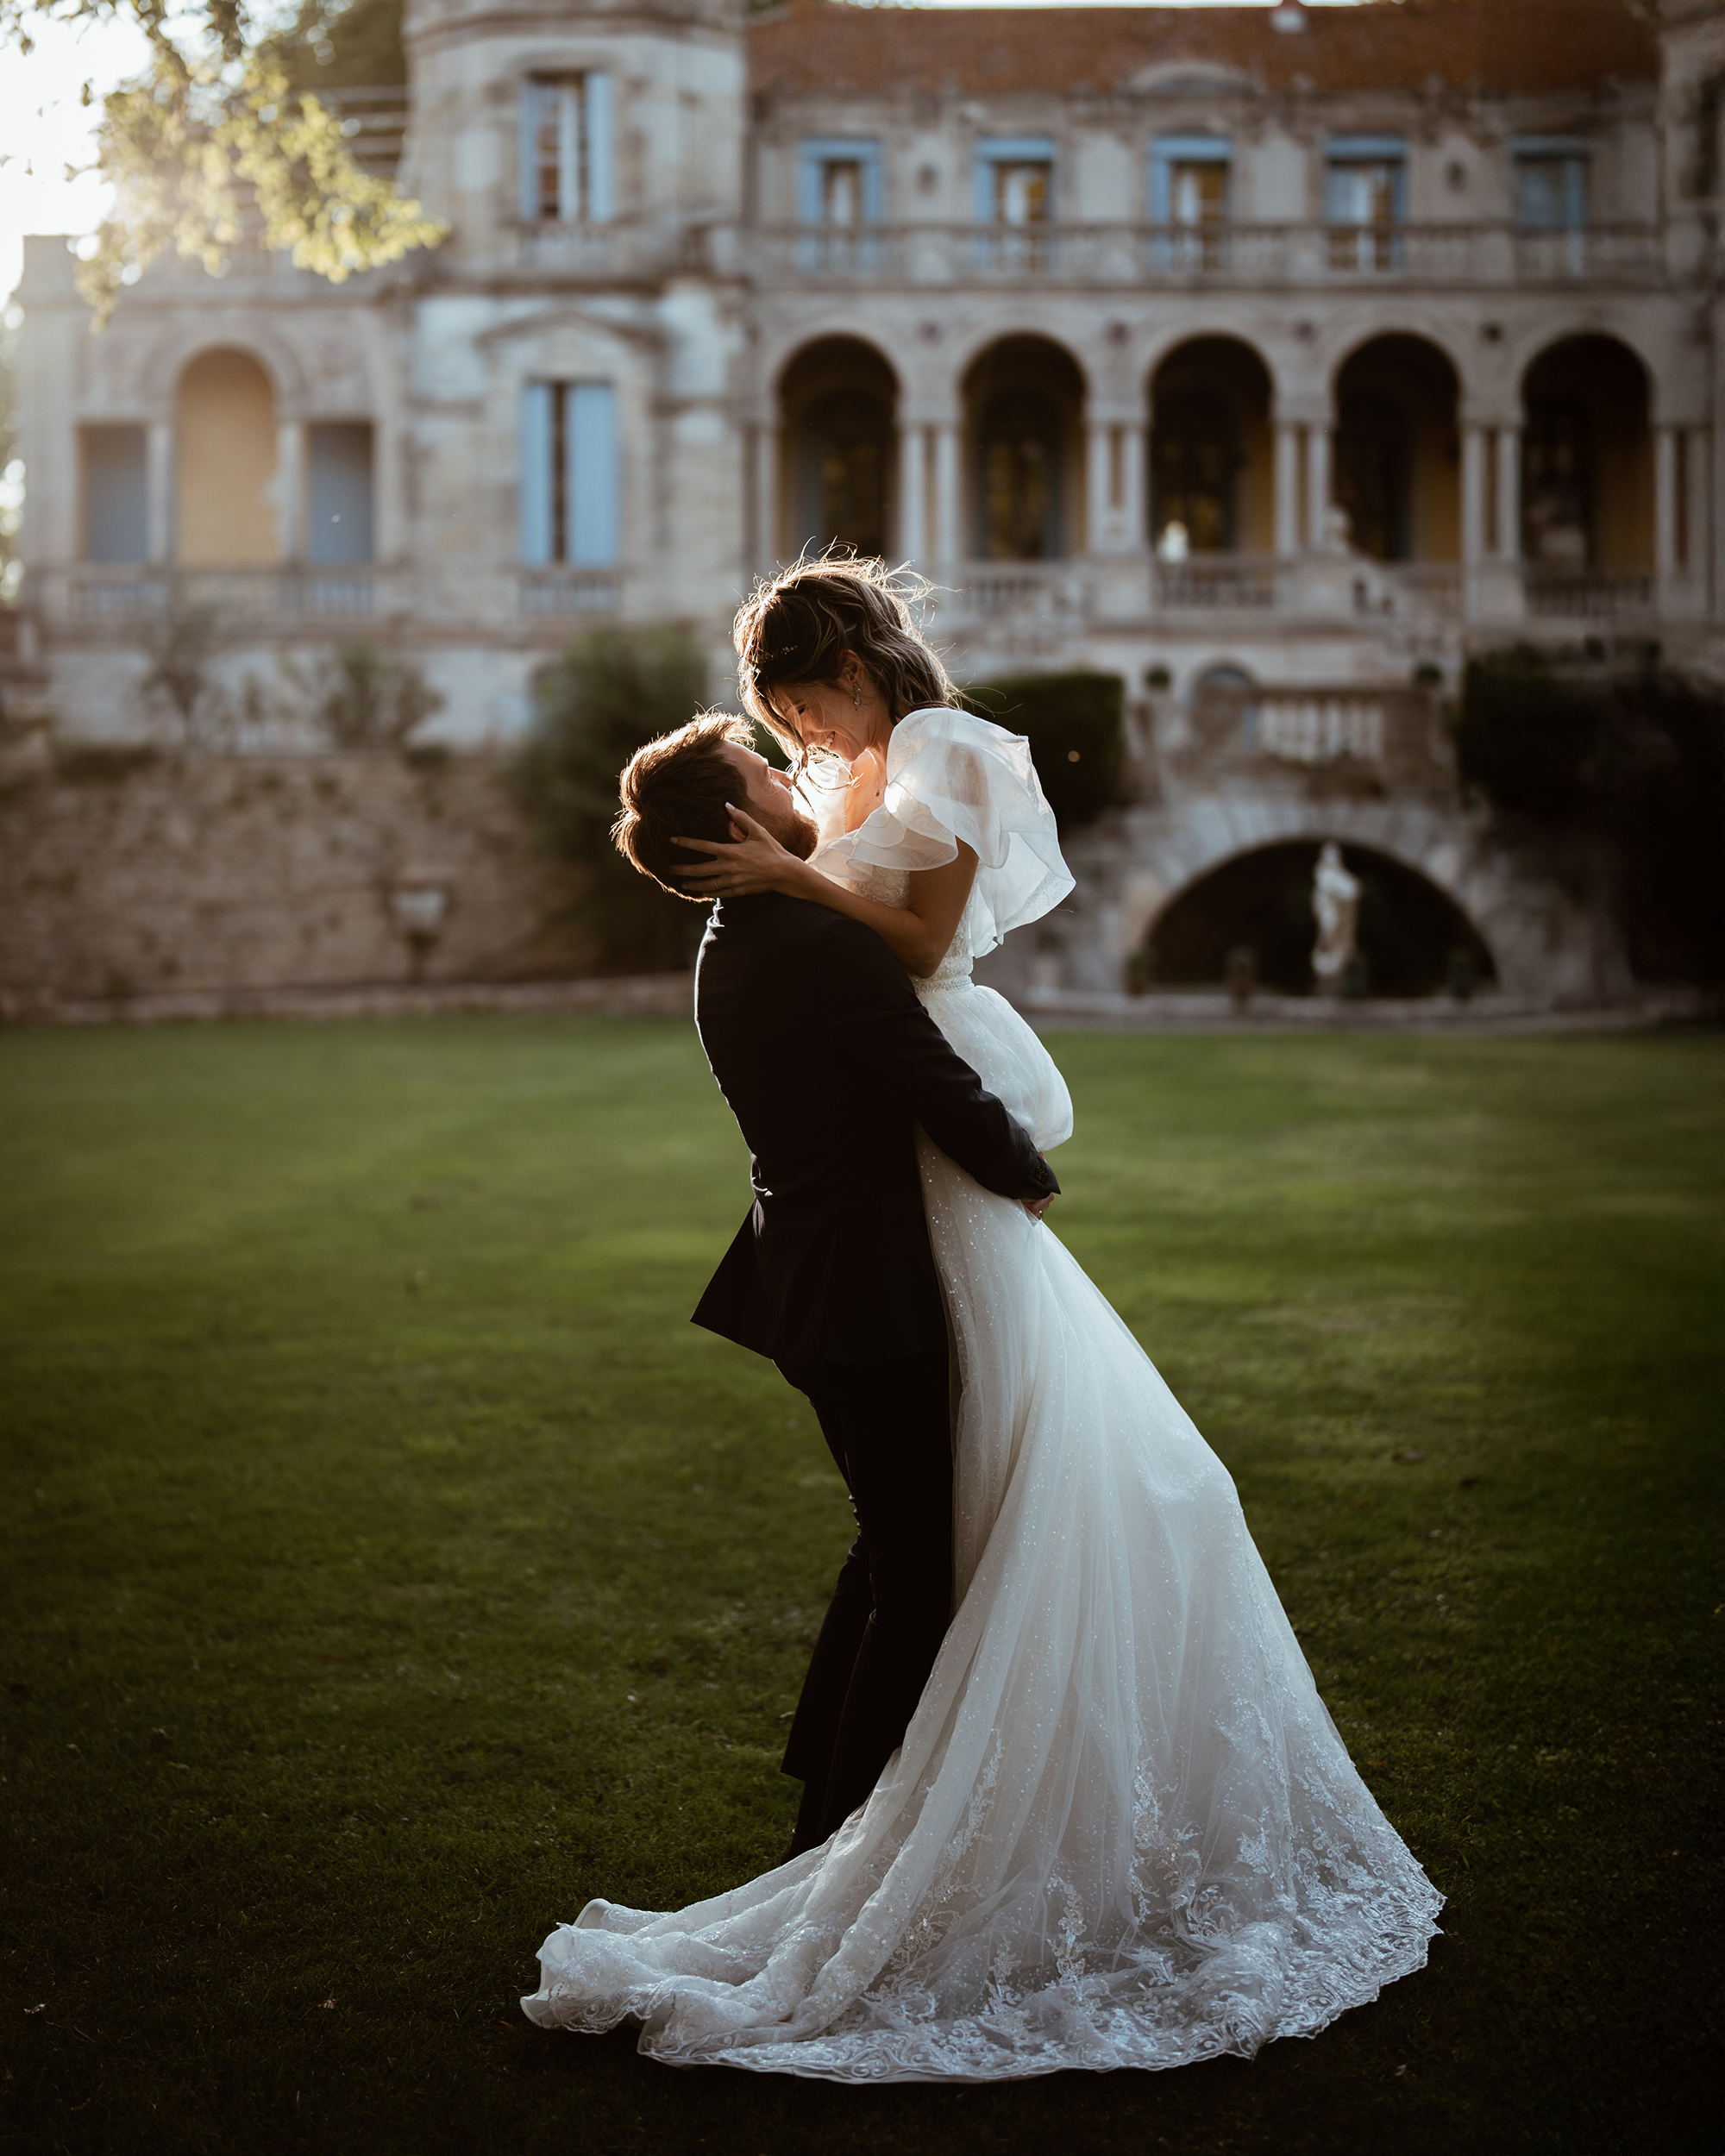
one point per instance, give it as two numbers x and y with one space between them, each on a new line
952 776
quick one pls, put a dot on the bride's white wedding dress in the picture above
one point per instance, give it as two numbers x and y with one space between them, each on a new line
1122 1829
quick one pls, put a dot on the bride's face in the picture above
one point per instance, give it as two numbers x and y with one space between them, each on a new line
826 716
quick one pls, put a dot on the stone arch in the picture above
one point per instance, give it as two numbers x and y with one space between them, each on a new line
1173 855
837 410
850 325
226 511
1396 454
162 370
1410 929
1211 446
1587 456
1524 350
1021 327
1024 404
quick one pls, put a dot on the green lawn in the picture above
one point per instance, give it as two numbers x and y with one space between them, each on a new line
390 1567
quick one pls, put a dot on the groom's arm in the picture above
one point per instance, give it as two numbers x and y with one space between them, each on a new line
875 1020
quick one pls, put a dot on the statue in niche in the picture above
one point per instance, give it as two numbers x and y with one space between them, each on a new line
1335 903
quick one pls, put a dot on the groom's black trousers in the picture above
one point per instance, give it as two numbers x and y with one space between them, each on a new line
888 1426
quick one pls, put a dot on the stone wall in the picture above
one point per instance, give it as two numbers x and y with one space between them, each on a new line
124 875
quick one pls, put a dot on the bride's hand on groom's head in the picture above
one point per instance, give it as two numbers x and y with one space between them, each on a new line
752 860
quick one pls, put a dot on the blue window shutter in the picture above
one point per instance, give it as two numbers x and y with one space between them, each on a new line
809 169
340 494
985 190
871 184
536 472
115 494
591 487
531 93
601 155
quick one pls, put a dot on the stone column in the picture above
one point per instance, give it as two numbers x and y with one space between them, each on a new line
1473 494
912 539
1100 516
1664 506
1135 508
949 531
1508 494
159 491
289 488
1697 496
1287 488
766 498
1317 481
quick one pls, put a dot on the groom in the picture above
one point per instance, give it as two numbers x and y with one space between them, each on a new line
828 1063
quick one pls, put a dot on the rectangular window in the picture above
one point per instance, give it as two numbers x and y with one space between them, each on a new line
839 181
1189 190
1364 200
566 157
1015 180
570 477
1551 184
340 493
116 494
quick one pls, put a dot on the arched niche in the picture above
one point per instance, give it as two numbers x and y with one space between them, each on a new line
1410 930
226 513
1024 410
837 401
1397 469
1211 468
1587 466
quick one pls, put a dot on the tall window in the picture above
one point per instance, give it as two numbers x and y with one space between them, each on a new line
839 181
115 494
1551 184
569 475
567 156
339 522
1189 190
1015 181
1551 201
1366 196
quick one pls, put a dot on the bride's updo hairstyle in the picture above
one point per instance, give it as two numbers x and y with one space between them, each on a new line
801 624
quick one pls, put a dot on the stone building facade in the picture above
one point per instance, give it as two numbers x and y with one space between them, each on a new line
1302 350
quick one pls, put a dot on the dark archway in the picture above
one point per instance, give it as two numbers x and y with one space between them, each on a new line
1025 402
1410 930
836 399
1587 478
1398 451
1210 456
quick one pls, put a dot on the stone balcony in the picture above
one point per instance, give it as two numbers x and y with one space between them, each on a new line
1245 255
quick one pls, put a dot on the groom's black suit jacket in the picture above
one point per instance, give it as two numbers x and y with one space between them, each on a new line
828 1060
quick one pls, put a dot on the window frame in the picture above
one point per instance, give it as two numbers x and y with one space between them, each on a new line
815 152
586 148
991 152
570 481
1166 151
1575 154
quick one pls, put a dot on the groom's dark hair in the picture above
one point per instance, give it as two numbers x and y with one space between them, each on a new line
677 787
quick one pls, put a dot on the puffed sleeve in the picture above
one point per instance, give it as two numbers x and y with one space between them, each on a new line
950 776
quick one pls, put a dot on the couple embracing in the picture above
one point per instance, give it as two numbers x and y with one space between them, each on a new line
1071 1797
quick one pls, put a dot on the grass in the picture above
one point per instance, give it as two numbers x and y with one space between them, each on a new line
389 1567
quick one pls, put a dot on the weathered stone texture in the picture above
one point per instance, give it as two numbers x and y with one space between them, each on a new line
228 872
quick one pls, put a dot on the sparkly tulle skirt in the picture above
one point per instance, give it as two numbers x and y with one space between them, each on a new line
1122 1829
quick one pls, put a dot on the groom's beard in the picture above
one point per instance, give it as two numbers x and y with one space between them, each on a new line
794 832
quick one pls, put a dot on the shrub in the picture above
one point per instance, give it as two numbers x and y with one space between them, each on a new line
361 697
1638 757
1075 725
593 709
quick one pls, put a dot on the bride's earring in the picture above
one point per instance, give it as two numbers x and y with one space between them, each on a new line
856 695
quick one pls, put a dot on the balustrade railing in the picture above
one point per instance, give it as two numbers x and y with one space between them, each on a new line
1224 254
118 594
569 591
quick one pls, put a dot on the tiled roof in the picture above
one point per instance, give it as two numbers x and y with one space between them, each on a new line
824 47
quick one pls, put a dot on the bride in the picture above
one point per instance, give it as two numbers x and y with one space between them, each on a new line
1121 1829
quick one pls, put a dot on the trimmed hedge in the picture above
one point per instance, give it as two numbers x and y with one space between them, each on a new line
1075 725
